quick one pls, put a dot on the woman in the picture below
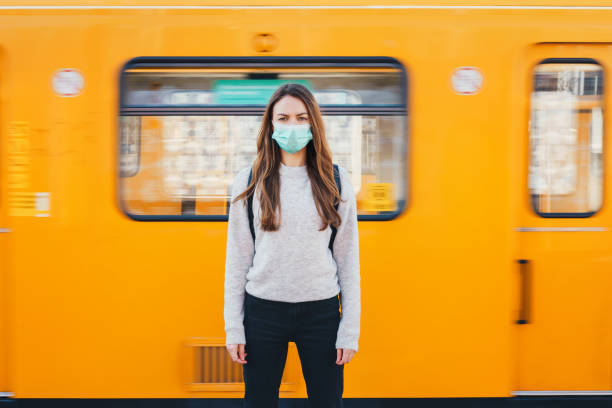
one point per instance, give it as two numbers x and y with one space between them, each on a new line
288 284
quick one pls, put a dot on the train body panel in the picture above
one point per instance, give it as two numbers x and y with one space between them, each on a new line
97 304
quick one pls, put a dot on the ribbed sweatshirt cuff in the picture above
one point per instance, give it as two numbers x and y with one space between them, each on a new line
347 343
235 336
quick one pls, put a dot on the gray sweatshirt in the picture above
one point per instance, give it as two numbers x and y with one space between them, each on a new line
293 264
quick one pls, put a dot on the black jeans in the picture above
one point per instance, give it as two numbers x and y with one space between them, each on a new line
269 327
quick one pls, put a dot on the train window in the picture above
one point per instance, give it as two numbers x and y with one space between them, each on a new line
188 125
566 138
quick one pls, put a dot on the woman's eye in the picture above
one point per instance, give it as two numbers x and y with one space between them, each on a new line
302 119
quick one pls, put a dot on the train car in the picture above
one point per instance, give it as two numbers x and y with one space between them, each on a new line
475 135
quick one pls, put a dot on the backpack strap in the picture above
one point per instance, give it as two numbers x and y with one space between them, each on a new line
250 207
333 229
339 185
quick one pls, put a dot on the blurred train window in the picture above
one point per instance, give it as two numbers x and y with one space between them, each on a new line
187 126
566 138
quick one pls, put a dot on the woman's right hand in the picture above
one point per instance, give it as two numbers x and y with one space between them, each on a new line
237 353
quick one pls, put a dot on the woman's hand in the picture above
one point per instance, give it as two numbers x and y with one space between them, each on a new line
237 353
344 355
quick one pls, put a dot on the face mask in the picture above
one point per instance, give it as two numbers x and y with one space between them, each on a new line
291 138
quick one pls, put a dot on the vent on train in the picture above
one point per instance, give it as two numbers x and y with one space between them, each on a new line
213 364
212 369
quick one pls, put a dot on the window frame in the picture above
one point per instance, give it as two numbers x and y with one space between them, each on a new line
401 109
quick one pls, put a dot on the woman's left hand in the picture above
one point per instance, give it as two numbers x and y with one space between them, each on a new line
344 355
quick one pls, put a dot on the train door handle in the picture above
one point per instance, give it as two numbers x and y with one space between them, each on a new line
4 230
524 316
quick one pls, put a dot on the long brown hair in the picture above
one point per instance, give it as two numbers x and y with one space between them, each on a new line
318 164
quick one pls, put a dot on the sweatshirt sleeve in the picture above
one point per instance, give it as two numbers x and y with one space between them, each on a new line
346 255
238 258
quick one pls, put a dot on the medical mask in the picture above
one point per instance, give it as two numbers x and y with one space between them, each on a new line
291 138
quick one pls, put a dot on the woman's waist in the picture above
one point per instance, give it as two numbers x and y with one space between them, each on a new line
286 298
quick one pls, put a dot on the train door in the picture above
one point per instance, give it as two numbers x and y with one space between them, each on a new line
564 265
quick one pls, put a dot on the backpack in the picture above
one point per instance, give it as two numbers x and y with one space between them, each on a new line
333 229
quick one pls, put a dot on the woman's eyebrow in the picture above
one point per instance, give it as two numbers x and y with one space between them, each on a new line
299 114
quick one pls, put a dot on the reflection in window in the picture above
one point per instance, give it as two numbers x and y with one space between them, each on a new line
130 145
244 86
197 128
566 137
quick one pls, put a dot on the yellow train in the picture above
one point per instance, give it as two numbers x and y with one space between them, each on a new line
476 138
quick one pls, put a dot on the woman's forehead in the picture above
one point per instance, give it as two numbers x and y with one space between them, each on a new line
289 105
